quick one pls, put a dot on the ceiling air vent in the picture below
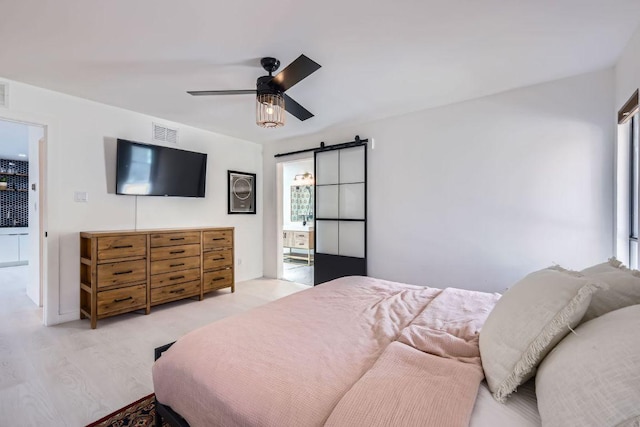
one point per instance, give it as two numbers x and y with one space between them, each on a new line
4 95
164 134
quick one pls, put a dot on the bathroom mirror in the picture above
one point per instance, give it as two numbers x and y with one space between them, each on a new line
302 203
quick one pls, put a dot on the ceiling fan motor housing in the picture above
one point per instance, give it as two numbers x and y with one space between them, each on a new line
263 86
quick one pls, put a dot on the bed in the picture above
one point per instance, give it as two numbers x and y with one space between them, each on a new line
353 351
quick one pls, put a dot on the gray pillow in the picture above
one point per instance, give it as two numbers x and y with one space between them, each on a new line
624 288
592 377
528 321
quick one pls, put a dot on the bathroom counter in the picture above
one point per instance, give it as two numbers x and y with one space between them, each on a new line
14 246
14 230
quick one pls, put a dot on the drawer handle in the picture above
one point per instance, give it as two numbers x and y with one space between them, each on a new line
218 238
123 247
300 244
176 277
177 238
217 279
177 252
123 272
218 259
177 265
176 291
122 299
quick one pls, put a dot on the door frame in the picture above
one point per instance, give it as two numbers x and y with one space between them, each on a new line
48 295
280 208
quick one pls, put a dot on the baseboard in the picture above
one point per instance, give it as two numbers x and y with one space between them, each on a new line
62 318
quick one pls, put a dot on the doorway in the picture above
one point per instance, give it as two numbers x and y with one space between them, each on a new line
21 148
297 189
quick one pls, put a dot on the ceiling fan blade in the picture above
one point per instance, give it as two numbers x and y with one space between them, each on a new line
296 109
221 92
299 69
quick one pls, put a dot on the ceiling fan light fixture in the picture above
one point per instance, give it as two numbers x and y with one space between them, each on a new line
270 110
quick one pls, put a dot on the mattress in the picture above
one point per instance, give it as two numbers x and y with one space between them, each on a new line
294 361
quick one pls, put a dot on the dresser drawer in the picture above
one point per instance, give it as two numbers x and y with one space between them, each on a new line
122 299
172 252
217 259
174 292
173 265
117 273
217 279
301 240
173 277
121 247
217 239
173 239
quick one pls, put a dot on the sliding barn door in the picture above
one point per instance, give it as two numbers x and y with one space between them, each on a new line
340 213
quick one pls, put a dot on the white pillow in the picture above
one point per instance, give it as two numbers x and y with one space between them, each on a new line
624 288
528 321
592 377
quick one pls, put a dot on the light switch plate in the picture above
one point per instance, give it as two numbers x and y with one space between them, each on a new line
81 196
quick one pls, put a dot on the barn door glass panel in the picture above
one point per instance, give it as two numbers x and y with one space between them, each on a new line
340 216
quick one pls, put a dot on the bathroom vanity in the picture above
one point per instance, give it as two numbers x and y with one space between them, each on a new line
14 246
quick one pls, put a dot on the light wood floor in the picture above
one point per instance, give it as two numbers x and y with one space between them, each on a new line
298 272
70 375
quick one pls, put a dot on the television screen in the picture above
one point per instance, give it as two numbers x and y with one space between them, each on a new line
153 170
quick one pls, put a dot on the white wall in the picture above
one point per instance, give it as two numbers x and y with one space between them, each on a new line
627 71
478 194
627 81
36 134
81 157
289 171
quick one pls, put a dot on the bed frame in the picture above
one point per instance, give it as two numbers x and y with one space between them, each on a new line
165 412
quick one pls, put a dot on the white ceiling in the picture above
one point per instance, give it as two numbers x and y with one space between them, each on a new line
379 58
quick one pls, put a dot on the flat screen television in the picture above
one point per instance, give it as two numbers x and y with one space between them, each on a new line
153 170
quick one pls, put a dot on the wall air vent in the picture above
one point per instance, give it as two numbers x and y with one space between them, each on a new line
164 134
4 95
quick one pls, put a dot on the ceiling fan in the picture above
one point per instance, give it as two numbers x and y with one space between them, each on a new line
271 99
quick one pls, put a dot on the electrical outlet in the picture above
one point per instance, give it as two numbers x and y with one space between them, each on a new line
239 261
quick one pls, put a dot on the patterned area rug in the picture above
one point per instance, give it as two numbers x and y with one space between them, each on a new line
140 413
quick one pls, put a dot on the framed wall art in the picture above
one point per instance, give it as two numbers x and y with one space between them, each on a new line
241 192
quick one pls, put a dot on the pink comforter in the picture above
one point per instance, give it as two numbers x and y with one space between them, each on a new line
430 376
292 361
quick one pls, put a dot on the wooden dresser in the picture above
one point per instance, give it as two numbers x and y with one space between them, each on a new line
217 260
123 271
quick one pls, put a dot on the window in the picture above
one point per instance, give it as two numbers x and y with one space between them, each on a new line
628 184
634 175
